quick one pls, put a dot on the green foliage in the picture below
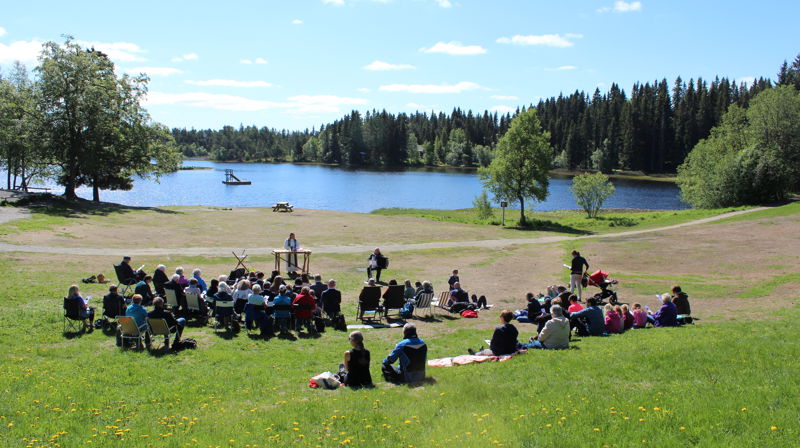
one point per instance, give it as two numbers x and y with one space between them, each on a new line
753 157
601 158
482 205
521 165
590 191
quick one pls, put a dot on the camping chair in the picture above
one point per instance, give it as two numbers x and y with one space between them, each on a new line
193 305
394 299
122 279
424 301
172 298
444 302
223 314
369 309
129 330
159 327
73 321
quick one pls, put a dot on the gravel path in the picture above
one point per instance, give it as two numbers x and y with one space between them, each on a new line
349 249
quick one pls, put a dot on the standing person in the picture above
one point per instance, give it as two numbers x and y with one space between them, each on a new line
376 262
293 245
356 363
576 272
453 279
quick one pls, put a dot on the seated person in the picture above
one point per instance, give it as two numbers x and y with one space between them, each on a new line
424 288
260 280
613 321
331 300
370 294
681 301
479 302
392 282
159 279
213 289
574 306
200 282
78 303
174 285
113 303
225 315
459 299
412 352
356 363
639 316
409 292
193 288
667 315
298 286
533 307
128 272
544 314
589 321
240 295
282 305
555 291
627 317
418 286
175 325
504 340
137 311
256 312
304 305
143 289
318 287
555 334
181 279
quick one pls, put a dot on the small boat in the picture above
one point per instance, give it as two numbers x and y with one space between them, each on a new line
231 179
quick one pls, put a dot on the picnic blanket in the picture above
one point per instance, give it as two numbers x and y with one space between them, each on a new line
469 359
364 326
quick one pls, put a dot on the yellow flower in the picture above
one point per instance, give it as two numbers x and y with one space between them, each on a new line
773 428
596 429
744 409
682 428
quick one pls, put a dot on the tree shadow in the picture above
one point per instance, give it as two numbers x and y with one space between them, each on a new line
52 205
549 226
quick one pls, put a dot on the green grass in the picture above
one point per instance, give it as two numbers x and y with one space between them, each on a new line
565 221
721 384
792 208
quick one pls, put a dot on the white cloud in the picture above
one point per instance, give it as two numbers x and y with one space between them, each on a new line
416 106
155 71
503 109
186 57
333 2
363 90
749 80
23 51
3 31
444 3
454 48
462 86
253 61
621 6
299 104
383 66
229 83
504 97
118 51
547 40
561 68
297 22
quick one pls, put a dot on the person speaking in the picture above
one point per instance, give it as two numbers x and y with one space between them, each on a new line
293 245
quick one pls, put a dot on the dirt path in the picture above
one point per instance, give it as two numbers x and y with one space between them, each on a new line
348 249
12 213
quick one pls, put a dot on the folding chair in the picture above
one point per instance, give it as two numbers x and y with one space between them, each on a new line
394 299
369 310
172 298
73 322
129 330
223 313
159 327
444 302
193 305
424 301
122 279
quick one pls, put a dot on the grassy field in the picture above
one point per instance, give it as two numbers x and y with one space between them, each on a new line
728 381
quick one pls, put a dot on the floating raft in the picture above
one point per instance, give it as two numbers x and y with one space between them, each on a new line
231 179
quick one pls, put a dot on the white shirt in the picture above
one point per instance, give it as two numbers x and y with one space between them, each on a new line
291 244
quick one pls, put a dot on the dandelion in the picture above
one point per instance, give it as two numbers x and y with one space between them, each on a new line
596 429
744 409
773 428
682 428
549 425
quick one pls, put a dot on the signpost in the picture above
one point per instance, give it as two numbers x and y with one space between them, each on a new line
504 204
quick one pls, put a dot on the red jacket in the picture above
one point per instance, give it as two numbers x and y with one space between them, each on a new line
303 306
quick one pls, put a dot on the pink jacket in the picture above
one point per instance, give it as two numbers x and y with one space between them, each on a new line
613 322
639 318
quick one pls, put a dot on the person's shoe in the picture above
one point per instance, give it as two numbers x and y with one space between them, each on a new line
471 351
532 339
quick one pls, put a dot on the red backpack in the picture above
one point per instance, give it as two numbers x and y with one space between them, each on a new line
469 314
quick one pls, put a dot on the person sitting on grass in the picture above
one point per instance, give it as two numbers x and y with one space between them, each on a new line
84 311
627 317
331 300
175 325
459 298
355 370
200 282
137 311
681 301
143 289
667 315
589 321
282 305
304 305
555 334
504 340
555 291
574 306
256 312
412 352
639 316
113 303
613 321
479 302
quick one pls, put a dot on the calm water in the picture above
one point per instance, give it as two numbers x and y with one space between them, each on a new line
318 187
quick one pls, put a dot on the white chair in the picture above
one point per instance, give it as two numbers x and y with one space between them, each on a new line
225 308
192 302
172 298
424 301
129 330
159 327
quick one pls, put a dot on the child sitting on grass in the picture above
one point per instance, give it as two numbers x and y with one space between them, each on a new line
639 316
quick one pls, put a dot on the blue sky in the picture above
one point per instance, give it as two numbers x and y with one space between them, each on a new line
296 64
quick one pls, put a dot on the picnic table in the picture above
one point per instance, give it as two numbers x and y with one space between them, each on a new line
282 207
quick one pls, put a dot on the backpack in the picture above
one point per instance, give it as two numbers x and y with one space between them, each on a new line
407 311
339 323
469 313
184 344
319 324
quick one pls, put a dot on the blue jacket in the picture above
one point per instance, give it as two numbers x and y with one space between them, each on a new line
201 283
138 313
413 354
281 299
666 316
594 319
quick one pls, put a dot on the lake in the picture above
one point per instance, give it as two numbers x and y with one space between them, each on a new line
332 188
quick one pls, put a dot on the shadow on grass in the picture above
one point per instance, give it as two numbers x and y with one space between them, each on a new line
549 226
73 334
227 334
431 319
51 205
309 335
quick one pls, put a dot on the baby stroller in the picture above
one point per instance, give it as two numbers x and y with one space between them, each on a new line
600 279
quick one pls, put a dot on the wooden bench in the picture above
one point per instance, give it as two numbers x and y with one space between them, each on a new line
283 207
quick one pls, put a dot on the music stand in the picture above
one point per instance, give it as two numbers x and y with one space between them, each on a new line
240 260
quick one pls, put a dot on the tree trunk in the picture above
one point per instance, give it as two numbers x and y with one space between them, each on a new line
522 212
69 186
95 192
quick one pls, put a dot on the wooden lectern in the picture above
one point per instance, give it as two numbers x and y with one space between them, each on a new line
282 255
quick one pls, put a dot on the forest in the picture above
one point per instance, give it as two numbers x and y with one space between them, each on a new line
651 129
